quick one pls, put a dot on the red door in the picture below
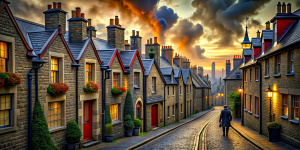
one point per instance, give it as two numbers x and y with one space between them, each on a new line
87 121
154 115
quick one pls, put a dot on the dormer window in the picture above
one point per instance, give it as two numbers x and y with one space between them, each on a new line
238 75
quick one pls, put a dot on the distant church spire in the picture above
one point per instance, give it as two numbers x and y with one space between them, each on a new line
246 43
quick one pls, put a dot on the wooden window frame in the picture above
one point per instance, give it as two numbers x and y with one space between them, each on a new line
257 106
153 84
245 101
5 58
291 56
256 73
168 111
173 90
6 109
295 107
115 116
285 104
277 64
250 103
55 79
89 73
116 79
136 79
57 114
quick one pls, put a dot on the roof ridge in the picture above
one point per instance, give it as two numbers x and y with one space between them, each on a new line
27 21
240 62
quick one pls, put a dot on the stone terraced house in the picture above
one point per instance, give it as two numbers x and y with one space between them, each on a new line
274 67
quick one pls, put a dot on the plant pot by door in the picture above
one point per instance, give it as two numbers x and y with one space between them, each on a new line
73 146
109 138
128 133
136 131
274 134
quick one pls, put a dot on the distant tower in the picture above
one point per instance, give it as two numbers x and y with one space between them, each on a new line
222 73
246 44
228 67
213 71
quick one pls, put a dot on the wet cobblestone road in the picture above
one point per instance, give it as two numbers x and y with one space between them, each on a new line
181 138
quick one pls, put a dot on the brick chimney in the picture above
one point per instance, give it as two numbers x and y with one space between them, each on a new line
77 27
55 16
167 53
236 60
194 70
186 63
156 48
127 45
115 34
177 60
228 66
91 29
136 41
200 70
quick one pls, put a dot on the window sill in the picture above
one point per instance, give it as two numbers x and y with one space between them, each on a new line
250 112
168 117
116 122
181 112
290 74
295 121
153 92
277 75
8 130
173 95
284 117
136 87
256 80
246 110
267 76
256 116
56 129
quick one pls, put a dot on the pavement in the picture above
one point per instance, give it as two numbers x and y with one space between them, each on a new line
135 141
257 139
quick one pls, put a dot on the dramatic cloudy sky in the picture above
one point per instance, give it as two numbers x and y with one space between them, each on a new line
205 31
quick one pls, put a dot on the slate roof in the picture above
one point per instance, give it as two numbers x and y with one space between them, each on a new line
195 83
166 70
203 82
39 39
151 100
267 34
256 42
292 36
177 73
185 75
168 80
102 44
127 57
199 82
164 62
247 52
106 56
232 76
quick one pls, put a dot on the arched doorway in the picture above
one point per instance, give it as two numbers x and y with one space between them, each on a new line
154 115
139 110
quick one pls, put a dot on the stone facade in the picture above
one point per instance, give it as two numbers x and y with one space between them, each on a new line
181 105
170 104
156 49
115 37
136 43
189 96
198 99
54 17
77 29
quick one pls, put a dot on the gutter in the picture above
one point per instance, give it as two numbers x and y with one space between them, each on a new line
77 66
104 70
202 99
243 99
185 102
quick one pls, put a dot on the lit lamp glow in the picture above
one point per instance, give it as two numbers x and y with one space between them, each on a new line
269 92
240 90
222 94
219 94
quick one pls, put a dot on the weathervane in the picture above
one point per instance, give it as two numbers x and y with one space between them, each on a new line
247 21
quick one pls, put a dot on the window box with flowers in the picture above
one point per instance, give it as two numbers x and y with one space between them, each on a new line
91 87
118 90
57 89
9 79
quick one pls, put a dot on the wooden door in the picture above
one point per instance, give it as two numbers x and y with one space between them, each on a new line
154 115
87 121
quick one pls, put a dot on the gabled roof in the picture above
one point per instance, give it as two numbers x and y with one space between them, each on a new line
195 83
177 73
101 44
128 58
164 62
148 63
166 70
185 74
199 82
230 75
151 100
256 42
169 81
107 57
77 48
40 39
267 35
247 52
3 5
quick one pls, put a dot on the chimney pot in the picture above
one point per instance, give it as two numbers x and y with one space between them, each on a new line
73 13
82 15
59 5
117 21
54 5
133 32
283 7
49 7
78 10
258 33
268 25
111 22
150 40
89 22
59 29
289 8
171 46
126 42
147 41
278 7
155 40
137 33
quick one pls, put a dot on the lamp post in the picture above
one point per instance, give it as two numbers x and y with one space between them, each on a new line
269 93
240 90
222 98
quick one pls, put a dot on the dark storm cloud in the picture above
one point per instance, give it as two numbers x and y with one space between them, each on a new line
298 3
199 51
256 24
168 15
226 17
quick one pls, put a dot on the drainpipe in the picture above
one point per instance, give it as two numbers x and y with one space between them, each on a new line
145 100
165 105
202 99
243 99
104 70
77 66
260 97
37 82
185 101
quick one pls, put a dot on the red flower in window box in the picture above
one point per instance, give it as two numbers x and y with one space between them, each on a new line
118 90
57 89
9 79
91 87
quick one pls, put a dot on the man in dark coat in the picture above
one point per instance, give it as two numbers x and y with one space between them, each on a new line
225 119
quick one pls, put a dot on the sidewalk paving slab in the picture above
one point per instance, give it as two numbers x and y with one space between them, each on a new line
257 139
134 141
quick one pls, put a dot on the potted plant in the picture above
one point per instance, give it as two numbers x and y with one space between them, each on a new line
91 87
9 79
118 90
73 135
274 131
137 125
128 125
3 77
57 89
108 125
151 53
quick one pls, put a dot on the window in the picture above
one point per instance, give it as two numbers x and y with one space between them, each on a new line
256 73
54 70
250 74
136 79
187 107
256 106
173 91
275 30
187 89
245 76
180 90
88 72
168 111
3 57
267 67
181 107
153 84
168 91
5 109
291 61
173 110
277 64
54 114
190 88
172 78
114 111
285 99
245 102
116 79
238 75
296 107
250 104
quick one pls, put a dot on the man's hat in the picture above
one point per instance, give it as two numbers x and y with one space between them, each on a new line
225 106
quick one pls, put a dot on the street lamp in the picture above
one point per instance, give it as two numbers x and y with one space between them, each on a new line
240 90
269 93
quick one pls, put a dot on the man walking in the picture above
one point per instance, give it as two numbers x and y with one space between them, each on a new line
225 119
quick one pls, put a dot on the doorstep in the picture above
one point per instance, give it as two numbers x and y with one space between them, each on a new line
90 143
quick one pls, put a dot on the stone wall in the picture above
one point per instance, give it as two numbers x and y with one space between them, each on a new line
77 30
115 37
53 19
